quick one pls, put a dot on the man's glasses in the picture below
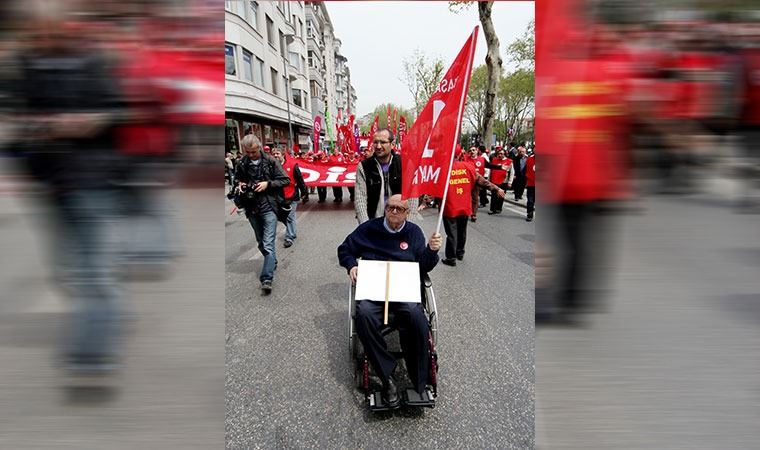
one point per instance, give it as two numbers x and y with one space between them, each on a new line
396 209
381 142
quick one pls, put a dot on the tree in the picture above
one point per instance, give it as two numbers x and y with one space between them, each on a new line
422 77
493 64
516 103
381 111
475 107
523 50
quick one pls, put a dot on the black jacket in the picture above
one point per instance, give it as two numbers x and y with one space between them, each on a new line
374 178
271 171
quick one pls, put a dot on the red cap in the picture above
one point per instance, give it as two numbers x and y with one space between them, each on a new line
266 148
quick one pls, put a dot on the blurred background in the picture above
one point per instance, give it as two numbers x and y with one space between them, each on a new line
647 249
112 299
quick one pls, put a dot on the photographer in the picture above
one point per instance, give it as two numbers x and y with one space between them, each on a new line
260 180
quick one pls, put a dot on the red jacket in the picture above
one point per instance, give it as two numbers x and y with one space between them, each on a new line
459 197
530 171
498 175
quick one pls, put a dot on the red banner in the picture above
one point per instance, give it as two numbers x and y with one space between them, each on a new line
317 131
395 123
328 173
429 146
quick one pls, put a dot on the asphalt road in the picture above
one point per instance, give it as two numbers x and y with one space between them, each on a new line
673 363
289 379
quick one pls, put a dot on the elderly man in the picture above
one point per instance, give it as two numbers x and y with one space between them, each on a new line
260 179
392 238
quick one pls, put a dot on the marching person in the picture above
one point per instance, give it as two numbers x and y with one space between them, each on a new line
530 185
378 178
502 175
337 158
518 164
392 238
260 179
292 192
458 207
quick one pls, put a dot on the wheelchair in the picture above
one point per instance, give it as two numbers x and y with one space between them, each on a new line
363 369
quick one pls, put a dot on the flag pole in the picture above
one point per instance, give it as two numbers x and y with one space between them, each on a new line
474 35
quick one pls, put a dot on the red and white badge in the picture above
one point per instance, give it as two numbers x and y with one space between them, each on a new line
404 245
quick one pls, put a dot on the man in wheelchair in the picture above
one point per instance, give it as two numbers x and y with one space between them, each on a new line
392 238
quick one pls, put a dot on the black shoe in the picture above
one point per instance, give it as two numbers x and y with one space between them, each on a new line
449 262
473 218
490 213
338 200
529 219
288 243
320 201
266 287
390 394
460 257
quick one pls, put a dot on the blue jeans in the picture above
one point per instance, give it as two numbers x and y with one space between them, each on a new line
265 227
85 219
290 224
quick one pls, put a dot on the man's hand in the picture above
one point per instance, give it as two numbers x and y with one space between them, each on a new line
352 274
501 193
435 242
261 186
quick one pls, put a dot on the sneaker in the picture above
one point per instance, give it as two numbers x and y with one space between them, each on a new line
288 243
266 287
450 262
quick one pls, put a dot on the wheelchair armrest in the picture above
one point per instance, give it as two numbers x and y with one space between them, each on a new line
426 280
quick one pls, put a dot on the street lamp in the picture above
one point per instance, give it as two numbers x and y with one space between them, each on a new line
289 38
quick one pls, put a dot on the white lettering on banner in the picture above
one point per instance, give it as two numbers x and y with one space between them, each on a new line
447 85
350 176
333 173
438 106
426 174
309 175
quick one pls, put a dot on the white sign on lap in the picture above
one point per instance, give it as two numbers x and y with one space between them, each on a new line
404 285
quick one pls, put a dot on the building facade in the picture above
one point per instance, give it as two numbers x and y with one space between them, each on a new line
267 78
280 56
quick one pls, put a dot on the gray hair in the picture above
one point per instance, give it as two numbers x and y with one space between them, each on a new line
250 141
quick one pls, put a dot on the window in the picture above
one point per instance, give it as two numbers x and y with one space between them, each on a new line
309 29
294 60
311 58
303 64
275 81
247 65
254 14
246 13
297 97
282 43
284 85
314 88
270 32
229 59
258 73
228 5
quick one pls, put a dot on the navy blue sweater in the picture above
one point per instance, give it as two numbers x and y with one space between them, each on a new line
371 240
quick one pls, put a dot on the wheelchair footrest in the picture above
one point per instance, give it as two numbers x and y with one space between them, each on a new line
376 403
414 398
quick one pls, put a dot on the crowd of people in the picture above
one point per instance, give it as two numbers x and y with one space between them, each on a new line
266 185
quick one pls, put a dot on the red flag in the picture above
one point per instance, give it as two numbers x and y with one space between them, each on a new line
429 146
395 127
388 120
372 130
317 131
401 130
